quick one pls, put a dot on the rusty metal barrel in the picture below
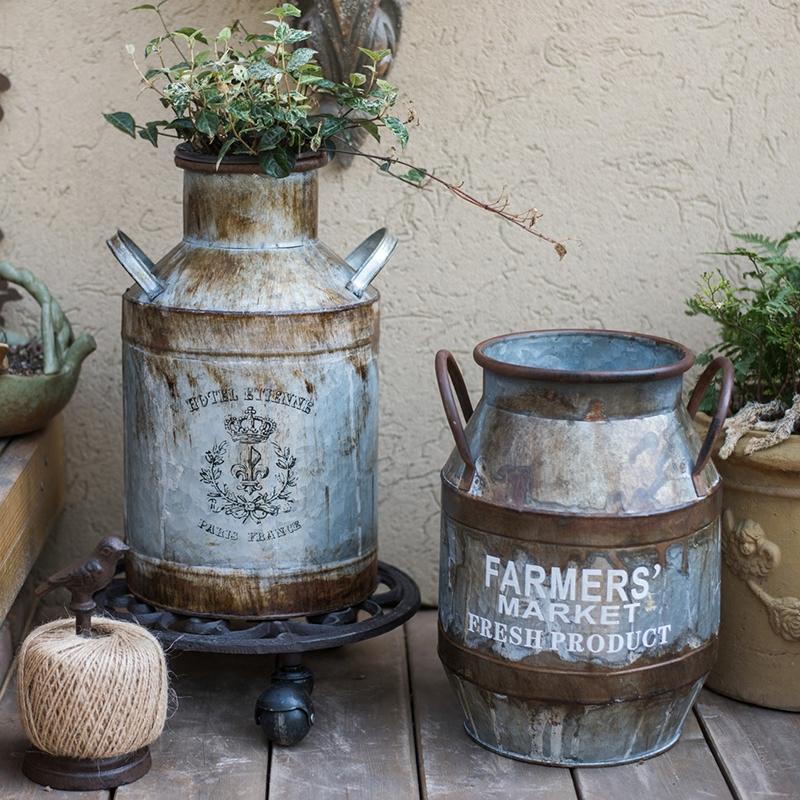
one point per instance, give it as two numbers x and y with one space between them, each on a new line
580 560
251 402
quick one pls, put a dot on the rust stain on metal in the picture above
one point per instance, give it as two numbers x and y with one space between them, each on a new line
596 413
553 396
247 595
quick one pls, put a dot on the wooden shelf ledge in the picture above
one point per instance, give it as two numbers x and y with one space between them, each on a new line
32 488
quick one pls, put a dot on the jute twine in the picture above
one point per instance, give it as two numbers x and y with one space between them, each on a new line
92 697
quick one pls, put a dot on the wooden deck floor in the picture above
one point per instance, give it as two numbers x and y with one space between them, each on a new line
388 728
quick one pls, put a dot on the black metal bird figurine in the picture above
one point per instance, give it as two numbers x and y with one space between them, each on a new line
84 578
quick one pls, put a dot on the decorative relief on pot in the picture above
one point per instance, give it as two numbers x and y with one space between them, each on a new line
746 550
751 556
783 613
252 498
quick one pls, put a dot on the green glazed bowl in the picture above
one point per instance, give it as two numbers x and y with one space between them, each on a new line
29 402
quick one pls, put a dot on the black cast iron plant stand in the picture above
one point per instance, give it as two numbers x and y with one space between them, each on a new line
284 709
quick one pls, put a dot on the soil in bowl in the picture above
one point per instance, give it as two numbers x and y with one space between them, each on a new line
26 359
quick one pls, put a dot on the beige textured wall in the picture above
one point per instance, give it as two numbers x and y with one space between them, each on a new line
645 131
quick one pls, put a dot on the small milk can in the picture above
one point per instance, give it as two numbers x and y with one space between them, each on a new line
580 562
251 402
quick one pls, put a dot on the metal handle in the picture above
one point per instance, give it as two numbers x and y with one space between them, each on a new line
723 405
447 370
135 263
369 258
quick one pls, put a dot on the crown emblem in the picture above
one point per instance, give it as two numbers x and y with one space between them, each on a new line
250 428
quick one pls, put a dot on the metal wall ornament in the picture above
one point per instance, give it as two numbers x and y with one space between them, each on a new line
340 27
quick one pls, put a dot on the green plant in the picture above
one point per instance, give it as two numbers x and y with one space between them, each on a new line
258 94
759 323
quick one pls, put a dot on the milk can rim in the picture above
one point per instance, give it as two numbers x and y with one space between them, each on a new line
187 158
504 368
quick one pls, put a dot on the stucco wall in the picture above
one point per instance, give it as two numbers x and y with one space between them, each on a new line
645 131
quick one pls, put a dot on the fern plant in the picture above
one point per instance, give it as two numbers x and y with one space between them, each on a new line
759 325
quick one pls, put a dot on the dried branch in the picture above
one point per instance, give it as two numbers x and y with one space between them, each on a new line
525 219
783 430
745 421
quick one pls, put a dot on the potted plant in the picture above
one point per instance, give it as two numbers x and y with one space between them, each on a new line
262 96
759 323
250 349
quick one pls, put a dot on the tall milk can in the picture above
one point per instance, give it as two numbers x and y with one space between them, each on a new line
251 402
580 562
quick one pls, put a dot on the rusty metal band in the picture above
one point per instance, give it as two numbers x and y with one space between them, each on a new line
175 330
605 530
599 685
246 594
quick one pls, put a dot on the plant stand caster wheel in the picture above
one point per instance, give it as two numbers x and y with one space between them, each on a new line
290 669
284 710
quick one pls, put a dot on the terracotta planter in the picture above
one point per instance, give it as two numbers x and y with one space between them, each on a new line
759 640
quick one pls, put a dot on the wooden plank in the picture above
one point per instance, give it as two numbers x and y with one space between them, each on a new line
13 745
31 499
453 766
16 625
211 747
362 743
759 748
688 770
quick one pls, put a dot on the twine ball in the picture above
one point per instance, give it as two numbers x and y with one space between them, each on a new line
92 697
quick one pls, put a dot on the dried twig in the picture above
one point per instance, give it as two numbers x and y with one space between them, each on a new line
524 219
766 425
745 420
783 430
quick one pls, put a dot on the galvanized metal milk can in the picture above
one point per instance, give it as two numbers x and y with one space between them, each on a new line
251 402
580 562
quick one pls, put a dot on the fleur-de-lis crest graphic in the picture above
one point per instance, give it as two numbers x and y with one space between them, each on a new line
251 498
249 472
